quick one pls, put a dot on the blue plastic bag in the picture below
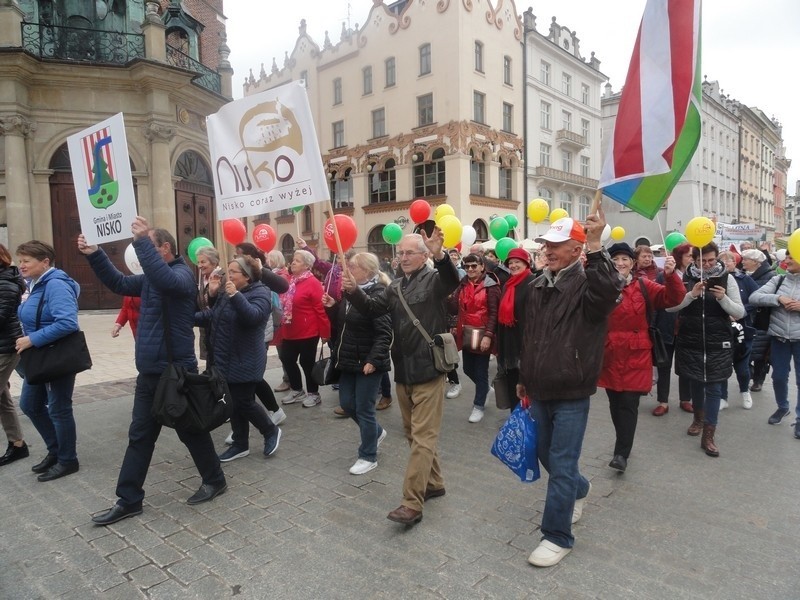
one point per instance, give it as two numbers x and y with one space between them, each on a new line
515 445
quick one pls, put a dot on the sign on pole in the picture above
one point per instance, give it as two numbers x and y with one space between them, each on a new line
101 172
265 155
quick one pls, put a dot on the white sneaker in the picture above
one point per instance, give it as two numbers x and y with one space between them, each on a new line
747 401
723 404
453 390
312 400
229 439
381 437
277 417
293 396
547 554
577 511
476 415
362 466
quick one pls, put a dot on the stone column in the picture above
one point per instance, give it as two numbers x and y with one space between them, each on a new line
225 70
155 41
19 216
11 16
160 135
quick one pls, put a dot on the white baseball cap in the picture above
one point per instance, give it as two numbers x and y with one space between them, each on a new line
563 230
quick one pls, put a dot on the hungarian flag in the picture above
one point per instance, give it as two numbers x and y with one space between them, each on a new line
658 122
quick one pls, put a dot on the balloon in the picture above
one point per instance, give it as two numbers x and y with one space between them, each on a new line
558 213
538 209
132 261
459 246
512 220
198 242
298 209
264 237
234 231
348 232
451 228
700 231
604 237
468 235
392 234
442 210
503 247
618 233
780 255
794 244
673 240
419 211
498 228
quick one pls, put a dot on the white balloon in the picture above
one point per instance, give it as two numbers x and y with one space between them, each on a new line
468 236
781 255
606 234
132 261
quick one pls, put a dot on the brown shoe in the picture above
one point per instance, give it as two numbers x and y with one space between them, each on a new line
283 387
707 442
340 412
431 493
697 424
686 406
384 403
660 410
406 516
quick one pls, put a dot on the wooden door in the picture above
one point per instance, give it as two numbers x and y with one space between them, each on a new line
194 207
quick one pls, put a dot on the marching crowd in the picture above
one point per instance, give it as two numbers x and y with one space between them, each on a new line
561 321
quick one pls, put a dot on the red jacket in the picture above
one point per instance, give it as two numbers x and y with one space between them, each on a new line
308 315
129 313
478 308
627 358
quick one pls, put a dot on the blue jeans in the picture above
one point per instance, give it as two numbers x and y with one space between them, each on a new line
386 385
476 367
49 407
561 425
781 354
706 397
742 369
357 394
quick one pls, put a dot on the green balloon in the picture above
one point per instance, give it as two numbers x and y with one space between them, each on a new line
298 209
194 245
503 247
674 239
392 234
498 228
512 220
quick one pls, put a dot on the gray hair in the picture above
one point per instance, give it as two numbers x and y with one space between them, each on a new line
421 247
306 256
756 255
210 253
276 259
370 263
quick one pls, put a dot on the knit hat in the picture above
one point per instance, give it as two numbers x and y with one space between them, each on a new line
519 254
247 269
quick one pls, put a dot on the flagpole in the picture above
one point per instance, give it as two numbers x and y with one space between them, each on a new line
663 239
340 252
598 197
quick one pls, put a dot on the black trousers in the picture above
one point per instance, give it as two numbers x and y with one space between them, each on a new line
267 396
246 411
624 409
306 351
664 377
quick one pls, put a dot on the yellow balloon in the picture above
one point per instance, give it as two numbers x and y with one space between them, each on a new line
618 233
538 210
558 213
442 210
451 228
700 231
794 244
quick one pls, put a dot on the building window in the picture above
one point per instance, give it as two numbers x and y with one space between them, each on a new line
585 130
713 136
366 75
337 91
585 166
479 107
378 123
505 183
565 202
566 161
383 184
308 221
304 78
424 59
583 207
508 117
425 109
477 175
507 70
342 190
566 83
566 120
429 178
544 73
377 245
479 57
338 134
585 94
544 155
391 72
545 193
545 116
705 158
713 160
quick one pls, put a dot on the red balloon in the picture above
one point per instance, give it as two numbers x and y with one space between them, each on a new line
234 231
419 211
347 233
459 246
264 237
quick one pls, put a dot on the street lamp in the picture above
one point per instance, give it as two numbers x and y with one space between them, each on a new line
528 26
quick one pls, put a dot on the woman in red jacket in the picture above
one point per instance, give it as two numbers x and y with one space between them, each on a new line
304 323
129 313
627 363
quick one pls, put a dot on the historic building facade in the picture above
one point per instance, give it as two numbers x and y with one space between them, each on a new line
67 64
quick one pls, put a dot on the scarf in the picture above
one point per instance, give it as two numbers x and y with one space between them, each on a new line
288 298
505 314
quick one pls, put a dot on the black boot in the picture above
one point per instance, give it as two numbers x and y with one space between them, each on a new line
14 453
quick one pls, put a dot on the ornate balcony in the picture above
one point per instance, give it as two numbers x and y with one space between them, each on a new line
570 138
94 46
564 177
206 78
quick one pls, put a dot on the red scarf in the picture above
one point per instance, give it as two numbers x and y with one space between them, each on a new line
505 315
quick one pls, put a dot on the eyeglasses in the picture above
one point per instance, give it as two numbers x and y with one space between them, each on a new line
402 253
471 266
233 271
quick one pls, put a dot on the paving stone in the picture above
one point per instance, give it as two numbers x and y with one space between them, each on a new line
105 577
147 576
164 526
187 571
109 544
127 560
162 555
183 540
228 541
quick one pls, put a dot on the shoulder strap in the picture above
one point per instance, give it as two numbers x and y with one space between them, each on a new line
413 318
40 307
648 308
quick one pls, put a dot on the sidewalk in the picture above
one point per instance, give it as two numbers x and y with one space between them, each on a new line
678 524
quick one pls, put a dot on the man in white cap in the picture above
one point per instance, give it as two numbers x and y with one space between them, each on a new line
562 353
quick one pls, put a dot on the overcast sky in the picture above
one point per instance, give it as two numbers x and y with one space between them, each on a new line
751 48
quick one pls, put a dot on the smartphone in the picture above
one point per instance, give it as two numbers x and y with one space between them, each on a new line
722 281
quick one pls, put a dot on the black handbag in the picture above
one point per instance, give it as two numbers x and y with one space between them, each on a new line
443 345
193 402
659 352
65 356
763 313
324 372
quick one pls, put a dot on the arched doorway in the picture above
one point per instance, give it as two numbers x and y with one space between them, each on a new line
66 228
377 245
481 231
194 200
287 247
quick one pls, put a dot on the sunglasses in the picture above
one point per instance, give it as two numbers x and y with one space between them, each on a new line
471 266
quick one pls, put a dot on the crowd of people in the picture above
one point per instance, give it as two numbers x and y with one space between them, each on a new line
561 321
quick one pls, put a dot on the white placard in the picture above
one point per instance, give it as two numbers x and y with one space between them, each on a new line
265 155
101 172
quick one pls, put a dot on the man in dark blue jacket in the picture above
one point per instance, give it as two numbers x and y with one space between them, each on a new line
168 283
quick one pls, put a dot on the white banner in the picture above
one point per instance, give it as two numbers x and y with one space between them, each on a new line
265 155
101 172
740 231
